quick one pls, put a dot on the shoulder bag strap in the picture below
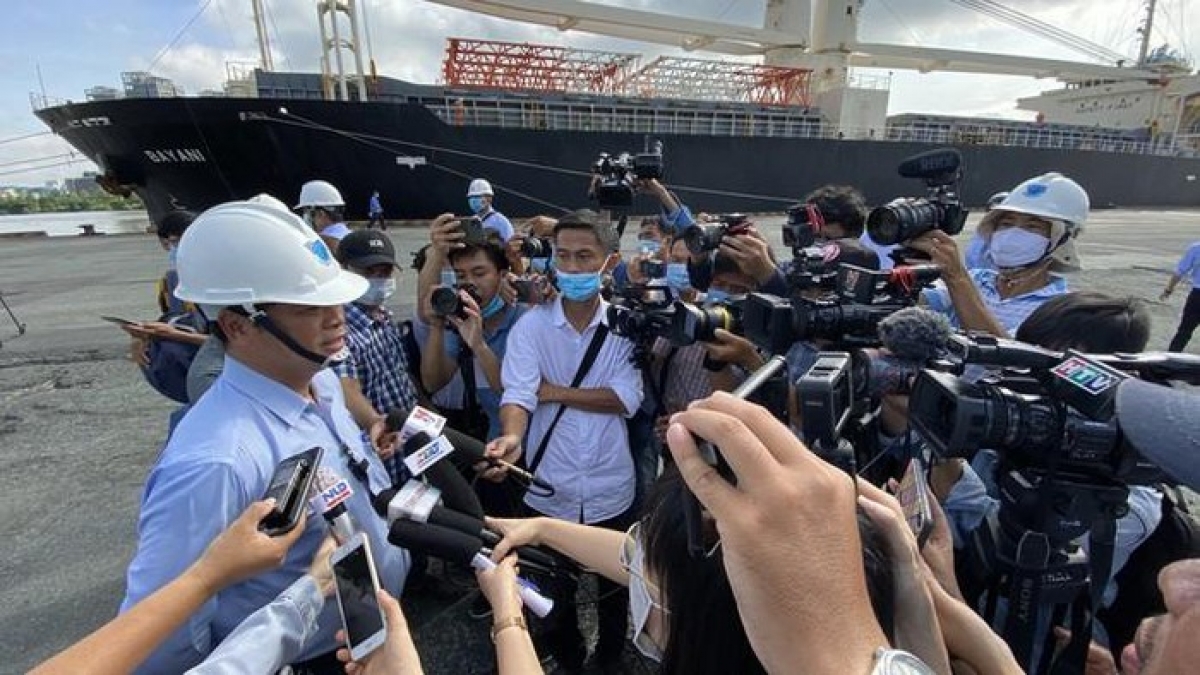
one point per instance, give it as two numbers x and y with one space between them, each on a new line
589 358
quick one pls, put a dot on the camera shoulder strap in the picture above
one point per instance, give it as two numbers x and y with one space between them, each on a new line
589 357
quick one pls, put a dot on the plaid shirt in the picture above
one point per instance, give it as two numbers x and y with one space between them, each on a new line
377 361
685 379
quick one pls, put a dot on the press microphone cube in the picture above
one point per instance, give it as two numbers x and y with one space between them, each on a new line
414 501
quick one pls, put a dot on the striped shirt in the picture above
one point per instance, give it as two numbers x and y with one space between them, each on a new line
1010 312
377 361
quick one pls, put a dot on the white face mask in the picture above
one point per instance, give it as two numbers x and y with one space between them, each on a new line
641 603
379 291
1014 247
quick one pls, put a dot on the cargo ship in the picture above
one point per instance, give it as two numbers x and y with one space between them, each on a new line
532 119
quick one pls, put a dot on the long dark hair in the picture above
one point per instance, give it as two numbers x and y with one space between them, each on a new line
705 633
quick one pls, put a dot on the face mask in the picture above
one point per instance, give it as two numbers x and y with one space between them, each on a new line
493 307
475 203
648 246
539 265
578 287
677 276
172 256
378 292
1014 247
308 218
716 295
640 604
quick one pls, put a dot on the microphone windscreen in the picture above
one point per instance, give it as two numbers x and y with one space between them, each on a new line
395 419
438 542
915 334
454 520
931 163
469 446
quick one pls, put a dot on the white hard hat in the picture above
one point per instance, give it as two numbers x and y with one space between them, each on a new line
1050 195
269 200
996 199
319 193
480 187
246 253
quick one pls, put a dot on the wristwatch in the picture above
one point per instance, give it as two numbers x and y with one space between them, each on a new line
517 621
898 662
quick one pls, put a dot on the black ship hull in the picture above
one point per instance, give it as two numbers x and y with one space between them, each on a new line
197 152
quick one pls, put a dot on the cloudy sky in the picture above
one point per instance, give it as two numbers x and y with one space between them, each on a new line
81 44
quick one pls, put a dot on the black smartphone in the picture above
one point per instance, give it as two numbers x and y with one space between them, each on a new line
472 227
119 321
289 487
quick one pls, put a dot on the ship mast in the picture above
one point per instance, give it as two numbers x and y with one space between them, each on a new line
1145 31
332 41
264 41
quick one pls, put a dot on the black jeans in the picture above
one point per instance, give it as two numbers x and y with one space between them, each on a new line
1187 322
561 634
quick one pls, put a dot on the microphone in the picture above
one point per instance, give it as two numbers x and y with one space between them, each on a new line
931 165
442 474
457 547
916 334
330 494
530 556
474 450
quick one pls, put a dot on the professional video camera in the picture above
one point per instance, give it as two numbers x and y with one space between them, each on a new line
698 323
641 314
897 286
704 237
773 323
941 209
618 174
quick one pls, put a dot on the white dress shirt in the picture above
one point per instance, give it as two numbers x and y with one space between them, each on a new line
587 460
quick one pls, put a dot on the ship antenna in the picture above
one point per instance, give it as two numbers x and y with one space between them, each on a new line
1144 29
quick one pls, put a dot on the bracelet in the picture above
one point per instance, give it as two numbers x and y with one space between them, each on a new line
517 621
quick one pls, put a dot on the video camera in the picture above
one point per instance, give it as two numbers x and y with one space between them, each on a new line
907 218
618 175
642 313
704 237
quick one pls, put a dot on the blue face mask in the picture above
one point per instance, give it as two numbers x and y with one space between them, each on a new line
579 287
648 246
493 307
475 203
539 265
449 277
715 295
677 276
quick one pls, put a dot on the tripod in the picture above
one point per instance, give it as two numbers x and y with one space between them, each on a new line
1023 556
17 322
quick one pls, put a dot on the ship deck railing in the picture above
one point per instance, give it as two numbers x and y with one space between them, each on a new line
740 120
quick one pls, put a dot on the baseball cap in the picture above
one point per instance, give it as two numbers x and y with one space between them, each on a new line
366 248
1161 423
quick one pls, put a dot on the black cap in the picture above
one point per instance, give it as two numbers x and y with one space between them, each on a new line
366 248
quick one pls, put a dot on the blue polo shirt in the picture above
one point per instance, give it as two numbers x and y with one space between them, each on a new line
1189 265
220 459
489 399
1010 312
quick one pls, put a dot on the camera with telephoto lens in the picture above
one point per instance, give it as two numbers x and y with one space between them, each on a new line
704 237
641 313
693 323
652 269
802 227
537 247
618 175
905 218
446 302
774 324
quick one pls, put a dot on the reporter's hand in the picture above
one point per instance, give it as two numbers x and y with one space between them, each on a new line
446 234
734 349
139 351
1099 660
382 440
938 552
242 550
507 448
470 328
499 586
321 570
751 253
397 656
943 252
789 536
516 532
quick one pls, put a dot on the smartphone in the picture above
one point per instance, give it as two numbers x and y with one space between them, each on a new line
357 587
913 495
119 321
289 487
472 227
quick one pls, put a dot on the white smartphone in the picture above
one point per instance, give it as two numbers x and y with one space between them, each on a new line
357 588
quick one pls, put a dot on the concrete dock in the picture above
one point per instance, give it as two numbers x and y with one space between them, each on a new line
79 427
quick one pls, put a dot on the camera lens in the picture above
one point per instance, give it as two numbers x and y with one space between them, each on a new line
703 238
902 220
693 323
445 301
536 247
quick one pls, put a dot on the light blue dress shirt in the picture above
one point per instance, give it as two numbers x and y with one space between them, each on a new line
1189 265
219 460
1010 312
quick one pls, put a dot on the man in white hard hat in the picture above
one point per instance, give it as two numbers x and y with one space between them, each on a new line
1030 241
479 199
322 207
274 295
977 250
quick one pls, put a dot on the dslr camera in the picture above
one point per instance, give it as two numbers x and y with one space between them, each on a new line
446 301
704 237
941 209
537 247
